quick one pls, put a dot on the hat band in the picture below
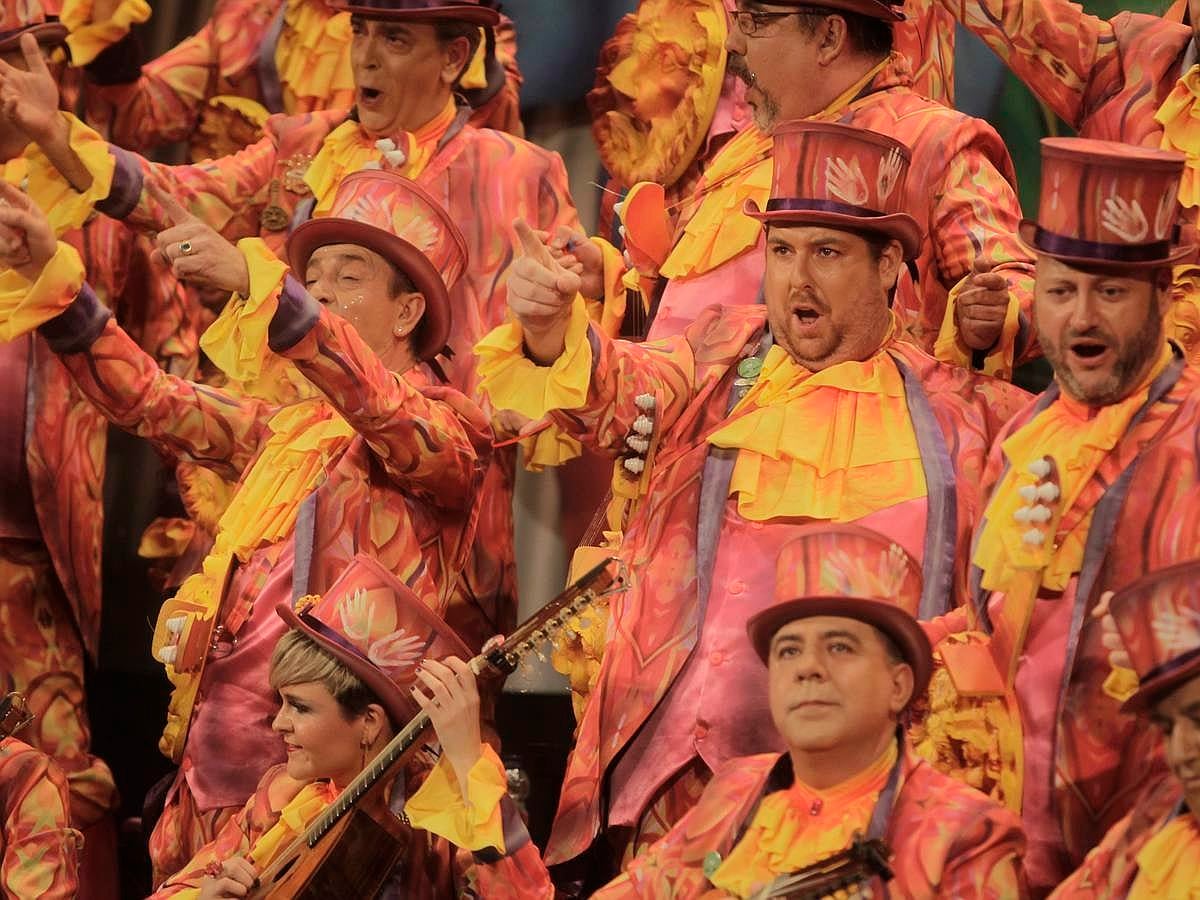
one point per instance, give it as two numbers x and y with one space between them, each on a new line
1062 245
794 204
1171 666
13 32
330 634
412 5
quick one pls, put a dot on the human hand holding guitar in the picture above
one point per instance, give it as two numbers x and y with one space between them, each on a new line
238 877
451 700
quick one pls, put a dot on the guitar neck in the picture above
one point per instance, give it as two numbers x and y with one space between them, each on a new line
505 656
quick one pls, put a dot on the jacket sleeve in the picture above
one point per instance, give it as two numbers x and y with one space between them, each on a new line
420 437
973 222
593 394
181 419
41 850
234 839
1053 46
228 194
986 861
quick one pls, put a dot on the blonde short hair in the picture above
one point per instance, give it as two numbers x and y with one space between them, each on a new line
298 659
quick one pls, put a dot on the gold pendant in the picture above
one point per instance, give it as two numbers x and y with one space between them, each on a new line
293 176
274 218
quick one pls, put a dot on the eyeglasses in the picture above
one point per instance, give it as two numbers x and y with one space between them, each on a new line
750 23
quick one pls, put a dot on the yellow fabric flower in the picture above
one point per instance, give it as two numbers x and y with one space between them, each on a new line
1179 116
514 382
786 835
473 822
25 305
1169 864
846 451
88 39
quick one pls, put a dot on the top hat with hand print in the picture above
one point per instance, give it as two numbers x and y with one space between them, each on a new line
1105 203
840 176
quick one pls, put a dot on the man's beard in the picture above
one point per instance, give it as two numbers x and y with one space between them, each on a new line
1143 347
766 110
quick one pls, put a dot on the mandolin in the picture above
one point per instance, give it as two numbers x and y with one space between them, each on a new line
848 874
351 848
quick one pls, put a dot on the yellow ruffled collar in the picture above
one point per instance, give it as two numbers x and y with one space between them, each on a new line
846 451
1169 863
295 817
1017 551
718 230
796 827
348 149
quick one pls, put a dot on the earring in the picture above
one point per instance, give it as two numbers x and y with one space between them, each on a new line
364 744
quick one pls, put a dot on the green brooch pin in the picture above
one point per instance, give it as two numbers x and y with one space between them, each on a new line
750 367
712 862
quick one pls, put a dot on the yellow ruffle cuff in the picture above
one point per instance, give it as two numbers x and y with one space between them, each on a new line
1169 864
65 207
237 341
845 452
313 53
25 305
611 312
1179 116
512 381
1000 360
473 822
88 38
719 230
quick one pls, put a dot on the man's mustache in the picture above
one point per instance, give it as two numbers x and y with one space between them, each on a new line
737 66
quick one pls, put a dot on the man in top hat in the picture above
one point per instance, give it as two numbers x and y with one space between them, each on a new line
378 460
483 179
960 186
251 60
52 451
1079 484
844 661
753 422
1155 850
1132 78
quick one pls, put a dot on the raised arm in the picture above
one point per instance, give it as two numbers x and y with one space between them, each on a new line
44 288
429 440
1053 46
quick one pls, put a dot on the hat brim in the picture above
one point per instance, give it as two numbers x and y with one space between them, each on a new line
476 15
399 704
434 330
50 34
1154 689
892 620
1027 230
900 226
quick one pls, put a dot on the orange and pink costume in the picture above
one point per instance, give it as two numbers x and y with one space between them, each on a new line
960 190
399 482
672 701
251 60
39 850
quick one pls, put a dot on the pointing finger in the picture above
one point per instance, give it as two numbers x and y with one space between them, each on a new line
530 245
175 212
